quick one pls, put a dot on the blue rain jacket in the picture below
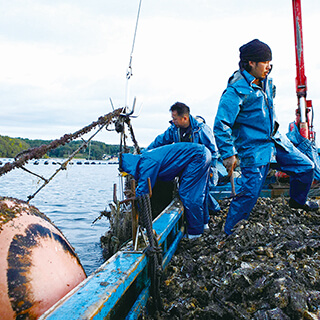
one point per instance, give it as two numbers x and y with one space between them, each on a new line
245 123
202 134
190 161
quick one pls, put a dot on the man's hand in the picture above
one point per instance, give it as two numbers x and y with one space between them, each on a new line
230 164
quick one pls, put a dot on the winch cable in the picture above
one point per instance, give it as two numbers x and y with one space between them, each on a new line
125 117
153 251
129 70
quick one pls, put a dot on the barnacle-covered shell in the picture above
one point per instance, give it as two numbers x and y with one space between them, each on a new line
269 268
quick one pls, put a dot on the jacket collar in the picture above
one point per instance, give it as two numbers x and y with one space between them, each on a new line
250 78
194 123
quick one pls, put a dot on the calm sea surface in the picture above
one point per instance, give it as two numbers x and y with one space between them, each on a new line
72 200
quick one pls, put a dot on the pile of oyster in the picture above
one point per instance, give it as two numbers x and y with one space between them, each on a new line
269 268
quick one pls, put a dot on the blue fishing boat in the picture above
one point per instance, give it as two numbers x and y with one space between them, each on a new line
120 288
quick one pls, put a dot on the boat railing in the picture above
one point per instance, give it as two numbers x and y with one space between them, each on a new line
119 289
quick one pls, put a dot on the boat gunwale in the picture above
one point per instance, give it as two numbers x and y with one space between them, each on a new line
126 266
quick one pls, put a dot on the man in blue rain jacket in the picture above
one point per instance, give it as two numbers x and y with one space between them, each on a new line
245 126
189 161
185 128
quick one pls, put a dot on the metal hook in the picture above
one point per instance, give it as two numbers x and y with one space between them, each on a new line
132 111
138 113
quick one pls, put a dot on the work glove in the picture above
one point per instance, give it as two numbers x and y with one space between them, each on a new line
230 163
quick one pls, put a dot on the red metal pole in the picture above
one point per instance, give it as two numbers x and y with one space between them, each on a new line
303 120
301 80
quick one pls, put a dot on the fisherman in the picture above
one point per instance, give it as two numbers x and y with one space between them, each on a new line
185 128
245 127
190 161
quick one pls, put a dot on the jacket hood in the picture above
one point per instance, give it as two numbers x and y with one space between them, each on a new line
195 124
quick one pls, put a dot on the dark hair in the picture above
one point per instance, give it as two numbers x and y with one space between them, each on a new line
244 65
181 109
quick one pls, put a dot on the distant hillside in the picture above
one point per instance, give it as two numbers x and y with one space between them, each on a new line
10 147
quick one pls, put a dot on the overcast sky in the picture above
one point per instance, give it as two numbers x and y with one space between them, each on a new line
61 61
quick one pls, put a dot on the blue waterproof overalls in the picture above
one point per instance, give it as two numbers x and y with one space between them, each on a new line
190 161
245 124
202 134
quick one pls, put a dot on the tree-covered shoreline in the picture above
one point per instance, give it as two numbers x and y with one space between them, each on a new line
10 147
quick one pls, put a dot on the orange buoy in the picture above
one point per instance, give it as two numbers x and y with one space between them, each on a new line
38 266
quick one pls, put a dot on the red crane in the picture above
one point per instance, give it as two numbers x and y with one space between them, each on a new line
302 128
304 112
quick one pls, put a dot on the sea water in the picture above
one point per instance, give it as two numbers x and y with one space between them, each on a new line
72 200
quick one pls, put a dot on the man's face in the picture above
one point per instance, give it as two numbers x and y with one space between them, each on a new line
260 69
180 121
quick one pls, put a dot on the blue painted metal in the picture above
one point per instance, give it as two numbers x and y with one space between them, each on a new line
265 193
221 192
140 303
143 297
172 249
165 223
102 294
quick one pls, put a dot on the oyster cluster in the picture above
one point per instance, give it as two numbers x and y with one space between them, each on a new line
268 269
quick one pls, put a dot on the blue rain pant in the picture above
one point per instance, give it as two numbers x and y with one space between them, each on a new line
291 161
191 162
307 147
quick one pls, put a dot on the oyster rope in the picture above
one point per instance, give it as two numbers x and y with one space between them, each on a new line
37 152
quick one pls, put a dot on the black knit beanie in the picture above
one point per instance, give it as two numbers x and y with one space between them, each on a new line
256 51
